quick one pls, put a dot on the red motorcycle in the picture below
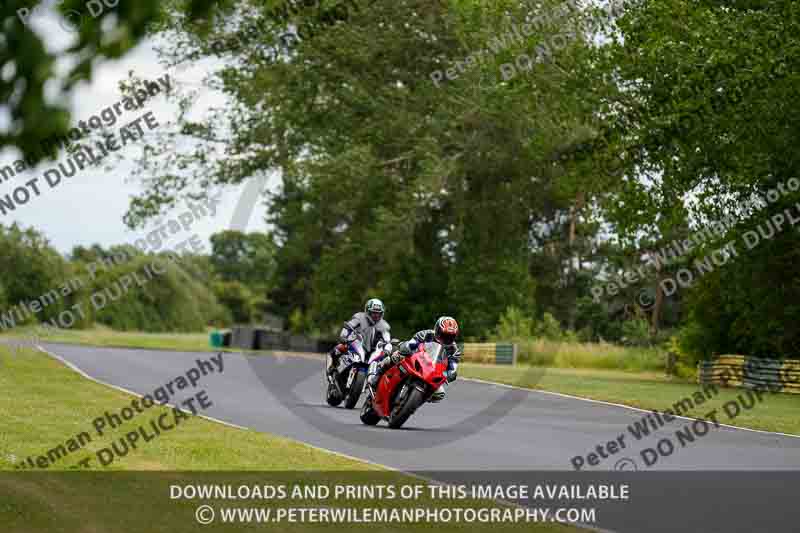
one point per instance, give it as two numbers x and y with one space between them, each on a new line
406 386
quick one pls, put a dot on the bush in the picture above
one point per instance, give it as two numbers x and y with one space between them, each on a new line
168 302
301 323
595 323
549 328
237 299
635 332
544 352
513 325
29 268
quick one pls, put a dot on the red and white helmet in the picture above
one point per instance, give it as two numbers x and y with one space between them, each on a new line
446 330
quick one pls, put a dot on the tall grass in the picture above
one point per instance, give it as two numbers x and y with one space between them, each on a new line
569 354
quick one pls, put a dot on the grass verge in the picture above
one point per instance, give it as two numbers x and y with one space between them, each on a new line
102 336
601 356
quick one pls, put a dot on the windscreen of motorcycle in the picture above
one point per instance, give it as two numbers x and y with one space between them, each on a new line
435 351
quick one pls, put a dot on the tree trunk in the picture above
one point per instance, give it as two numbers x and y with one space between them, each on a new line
655 319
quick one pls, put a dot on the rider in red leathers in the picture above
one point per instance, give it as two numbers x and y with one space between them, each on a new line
445 333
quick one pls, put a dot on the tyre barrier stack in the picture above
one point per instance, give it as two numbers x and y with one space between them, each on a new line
775 375
255 338
490 353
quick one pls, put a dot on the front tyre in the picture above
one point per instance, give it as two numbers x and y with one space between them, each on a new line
332 396
355 391
406 408
368 414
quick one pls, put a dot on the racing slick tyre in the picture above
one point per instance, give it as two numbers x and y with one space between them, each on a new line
414 398
368 414
332 395
351 399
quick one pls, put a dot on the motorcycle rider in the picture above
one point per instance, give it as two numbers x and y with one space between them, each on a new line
445 333
370 324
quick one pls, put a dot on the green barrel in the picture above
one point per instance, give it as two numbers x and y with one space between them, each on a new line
216 339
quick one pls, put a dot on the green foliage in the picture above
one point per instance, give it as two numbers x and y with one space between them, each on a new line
300 323
635 332
169 302
238 300
606 356
514 325
393 184
30 66
549 328
473 195
595 322
247 258
31 267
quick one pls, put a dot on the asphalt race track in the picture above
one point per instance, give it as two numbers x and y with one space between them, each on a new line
506 429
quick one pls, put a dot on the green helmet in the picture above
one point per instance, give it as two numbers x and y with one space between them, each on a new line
374 310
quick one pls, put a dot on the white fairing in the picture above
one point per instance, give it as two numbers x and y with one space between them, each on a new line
380 353
355 353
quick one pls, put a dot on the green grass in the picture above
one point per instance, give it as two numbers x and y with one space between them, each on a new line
103 336
43 404
646 390
605 356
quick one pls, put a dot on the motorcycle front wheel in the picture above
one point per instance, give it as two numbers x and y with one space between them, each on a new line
332 396
403 410
355 391
368 414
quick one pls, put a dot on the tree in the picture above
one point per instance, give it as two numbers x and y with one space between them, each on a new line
247 258
30 268
394 185
704 130
31 66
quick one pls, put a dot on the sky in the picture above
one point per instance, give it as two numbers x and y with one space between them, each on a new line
88 208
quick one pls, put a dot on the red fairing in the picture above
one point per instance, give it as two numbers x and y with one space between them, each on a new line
418 365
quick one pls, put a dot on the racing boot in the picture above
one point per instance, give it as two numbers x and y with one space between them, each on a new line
332 361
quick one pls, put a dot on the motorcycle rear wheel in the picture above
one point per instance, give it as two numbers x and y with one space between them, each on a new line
406 408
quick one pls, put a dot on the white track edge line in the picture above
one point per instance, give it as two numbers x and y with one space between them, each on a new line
624 406
132 393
